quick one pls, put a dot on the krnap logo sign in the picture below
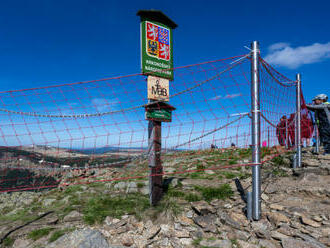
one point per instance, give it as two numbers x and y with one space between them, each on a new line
158 41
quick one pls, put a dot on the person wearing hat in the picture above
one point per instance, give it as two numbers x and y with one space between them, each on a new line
321 108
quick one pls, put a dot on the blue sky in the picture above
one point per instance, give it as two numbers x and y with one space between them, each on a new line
50 42
46 42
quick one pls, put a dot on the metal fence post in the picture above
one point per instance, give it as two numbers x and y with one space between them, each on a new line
255 111
317 137
156 169
317 145
268 138
298 121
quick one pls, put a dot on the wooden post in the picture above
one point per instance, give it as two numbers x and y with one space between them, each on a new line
156 169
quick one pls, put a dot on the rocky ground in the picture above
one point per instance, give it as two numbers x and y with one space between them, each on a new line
201 209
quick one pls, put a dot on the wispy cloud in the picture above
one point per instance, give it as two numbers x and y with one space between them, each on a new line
283 54
102 104
228 96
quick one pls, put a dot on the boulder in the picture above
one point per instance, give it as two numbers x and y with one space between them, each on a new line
84 238
216 243
243 244
276 207
202 208
73 216
262 228
21 243
267 243
48 202
294 243
277 218
309 222
206 222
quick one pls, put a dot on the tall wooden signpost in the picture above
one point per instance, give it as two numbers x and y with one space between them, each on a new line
157 63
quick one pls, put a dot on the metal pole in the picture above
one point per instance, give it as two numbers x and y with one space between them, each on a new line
317 139
316 136
268 136
156 169
255 111
298 121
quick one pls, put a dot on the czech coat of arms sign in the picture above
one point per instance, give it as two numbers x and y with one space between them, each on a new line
156 44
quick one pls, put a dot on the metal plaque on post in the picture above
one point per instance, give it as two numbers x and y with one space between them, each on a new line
159 111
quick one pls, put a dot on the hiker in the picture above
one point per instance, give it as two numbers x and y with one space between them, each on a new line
280 131
321 107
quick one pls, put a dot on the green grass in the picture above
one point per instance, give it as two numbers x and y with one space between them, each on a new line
233 161
22 215
140 185
175 193
244 153
73 189
196 175
279 172
279 161
192 197
209 193
59 233
39 233
168 204
99 207
234 242
197 241
8 242
199 166
265 151
200 175
229 174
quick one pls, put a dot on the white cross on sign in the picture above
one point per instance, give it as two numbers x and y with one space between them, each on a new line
158 88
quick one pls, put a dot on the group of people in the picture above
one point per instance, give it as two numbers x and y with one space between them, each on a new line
285 130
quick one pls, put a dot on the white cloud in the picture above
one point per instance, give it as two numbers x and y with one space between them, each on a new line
216 98
283 54
278 46
228 96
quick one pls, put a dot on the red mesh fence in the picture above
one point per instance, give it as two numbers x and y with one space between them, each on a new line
278 108
96 131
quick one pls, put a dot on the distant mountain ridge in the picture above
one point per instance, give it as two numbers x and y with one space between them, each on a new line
102 150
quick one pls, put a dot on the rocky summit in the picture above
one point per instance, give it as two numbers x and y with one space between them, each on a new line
200 209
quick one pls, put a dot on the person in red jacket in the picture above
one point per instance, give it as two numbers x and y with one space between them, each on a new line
307 129
280 131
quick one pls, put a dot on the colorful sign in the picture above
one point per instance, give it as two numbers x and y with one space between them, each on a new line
158 88
156 49
159 115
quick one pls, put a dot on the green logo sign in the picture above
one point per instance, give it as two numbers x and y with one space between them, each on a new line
156 49
159 114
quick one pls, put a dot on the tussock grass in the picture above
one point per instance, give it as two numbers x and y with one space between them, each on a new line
59 233
209 193
99 207
39 233
192 197
8 242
